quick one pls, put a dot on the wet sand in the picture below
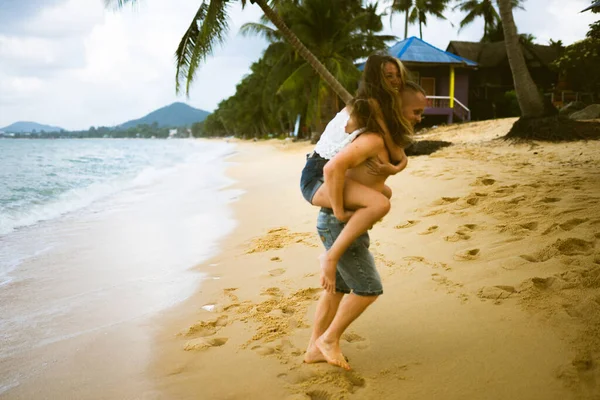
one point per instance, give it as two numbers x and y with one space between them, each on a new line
490 259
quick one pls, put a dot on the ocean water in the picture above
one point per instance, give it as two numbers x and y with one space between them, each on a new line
97 233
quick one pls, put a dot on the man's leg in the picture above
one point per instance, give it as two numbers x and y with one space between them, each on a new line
327 307
329 342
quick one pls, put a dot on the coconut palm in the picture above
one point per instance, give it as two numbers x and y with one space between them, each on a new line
485 9
338 36
530 100
209 28
416 11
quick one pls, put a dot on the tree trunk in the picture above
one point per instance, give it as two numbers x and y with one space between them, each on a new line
406 24
303 51
530 100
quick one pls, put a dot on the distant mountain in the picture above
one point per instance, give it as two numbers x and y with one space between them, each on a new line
24 127
174 115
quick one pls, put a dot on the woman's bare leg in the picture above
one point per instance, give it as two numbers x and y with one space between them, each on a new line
369 205
387 191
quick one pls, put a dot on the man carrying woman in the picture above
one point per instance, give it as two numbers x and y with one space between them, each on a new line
360 148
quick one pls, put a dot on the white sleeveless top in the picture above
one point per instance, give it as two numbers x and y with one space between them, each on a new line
335 138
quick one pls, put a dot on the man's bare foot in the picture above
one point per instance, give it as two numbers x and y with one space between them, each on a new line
332 353
328 268
313 355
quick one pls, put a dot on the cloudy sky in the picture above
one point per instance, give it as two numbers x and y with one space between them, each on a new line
75 63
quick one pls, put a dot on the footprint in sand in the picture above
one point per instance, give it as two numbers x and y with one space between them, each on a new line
517 200
272 291
407 224
473 201
263 350
352 337
442 280
471 227
458 236
276 271
207 328
467 255
332 385
444 201
550 199
550 229
530 226
318 395
496 292
567 247
277 259
204 344
572 223
483 181
574 247
429 230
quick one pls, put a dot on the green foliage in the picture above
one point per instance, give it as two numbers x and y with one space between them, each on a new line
492 24
580 63
197 129
282 85
510 105
416 11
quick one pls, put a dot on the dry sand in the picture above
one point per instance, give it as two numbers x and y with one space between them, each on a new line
490 259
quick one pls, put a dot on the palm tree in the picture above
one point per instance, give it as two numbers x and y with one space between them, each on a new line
416 11
337 36
209 28
530 100
485 9
402 6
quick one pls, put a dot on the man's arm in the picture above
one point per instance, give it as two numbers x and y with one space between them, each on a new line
362 148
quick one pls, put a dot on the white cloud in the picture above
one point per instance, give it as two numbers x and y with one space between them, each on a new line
73 63
545 19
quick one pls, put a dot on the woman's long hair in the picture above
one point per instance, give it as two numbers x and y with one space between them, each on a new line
374 86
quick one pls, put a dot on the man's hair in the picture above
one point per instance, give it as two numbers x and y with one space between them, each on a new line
374 86
413 87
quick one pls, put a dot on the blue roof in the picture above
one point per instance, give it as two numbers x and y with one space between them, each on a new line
415 50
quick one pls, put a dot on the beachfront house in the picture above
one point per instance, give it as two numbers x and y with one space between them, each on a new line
491 84
443 75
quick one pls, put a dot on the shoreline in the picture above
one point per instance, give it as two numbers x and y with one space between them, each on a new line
488 258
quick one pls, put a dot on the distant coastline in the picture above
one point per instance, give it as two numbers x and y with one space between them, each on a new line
177 120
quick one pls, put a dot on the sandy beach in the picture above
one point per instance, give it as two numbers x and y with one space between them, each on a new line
490 259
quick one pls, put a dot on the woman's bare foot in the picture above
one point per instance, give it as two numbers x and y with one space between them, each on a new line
328 268
332 353
313 355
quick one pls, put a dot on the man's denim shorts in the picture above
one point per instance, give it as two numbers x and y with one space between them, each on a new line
312 176
356 271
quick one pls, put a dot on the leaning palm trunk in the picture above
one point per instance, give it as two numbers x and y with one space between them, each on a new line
537 122
304 52
530 101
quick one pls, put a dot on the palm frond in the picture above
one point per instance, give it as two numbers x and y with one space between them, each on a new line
118 3
470 17
255 29
296 78
208 28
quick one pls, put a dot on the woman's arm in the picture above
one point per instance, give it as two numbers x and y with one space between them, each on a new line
365 146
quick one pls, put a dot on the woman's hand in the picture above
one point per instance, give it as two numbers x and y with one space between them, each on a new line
343 215
376 167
